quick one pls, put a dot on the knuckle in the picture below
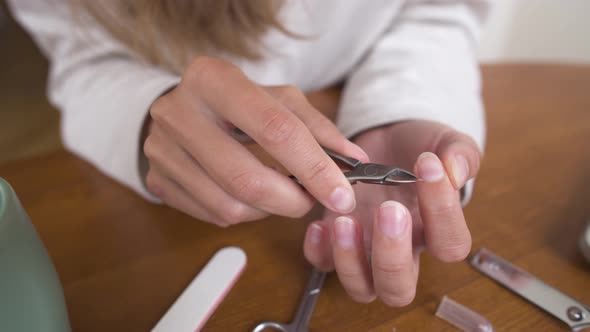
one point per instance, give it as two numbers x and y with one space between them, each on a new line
163 112
203 69
319 170
350 277
445 209
292 90
248 186
234 214
289 92
389 271
159 104
455 252
302 211
150 148
238 212
320 122
200 68
279 127
399 300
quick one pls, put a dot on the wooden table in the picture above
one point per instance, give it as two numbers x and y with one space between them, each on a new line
123 261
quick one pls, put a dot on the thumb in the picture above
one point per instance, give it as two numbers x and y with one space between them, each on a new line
460 156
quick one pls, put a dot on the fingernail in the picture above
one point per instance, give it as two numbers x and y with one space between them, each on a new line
392 219
315 234
342 199
429 167
460 169
344 231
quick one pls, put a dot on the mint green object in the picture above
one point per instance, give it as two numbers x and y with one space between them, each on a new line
31 296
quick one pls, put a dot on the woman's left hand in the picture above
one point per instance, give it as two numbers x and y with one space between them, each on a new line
375 250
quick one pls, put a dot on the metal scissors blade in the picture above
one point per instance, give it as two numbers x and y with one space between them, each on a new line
575 314
304 312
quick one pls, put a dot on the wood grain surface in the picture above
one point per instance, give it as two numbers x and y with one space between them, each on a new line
123 261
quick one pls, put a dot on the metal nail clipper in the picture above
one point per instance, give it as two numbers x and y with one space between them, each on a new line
370 172
359 171
573 313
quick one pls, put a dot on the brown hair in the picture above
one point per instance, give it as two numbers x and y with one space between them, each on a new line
167 32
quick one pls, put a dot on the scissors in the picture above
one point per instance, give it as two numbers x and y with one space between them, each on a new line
573 313
303 315
369 172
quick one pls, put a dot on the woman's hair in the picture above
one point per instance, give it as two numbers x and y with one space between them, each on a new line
167 32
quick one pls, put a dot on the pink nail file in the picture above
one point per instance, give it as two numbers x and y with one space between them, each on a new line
202 296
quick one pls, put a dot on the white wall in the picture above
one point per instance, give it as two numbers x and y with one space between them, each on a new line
537 30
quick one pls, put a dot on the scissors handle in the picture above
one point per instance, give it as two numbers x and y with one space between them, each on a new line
271 325
575 314
310 297
350 162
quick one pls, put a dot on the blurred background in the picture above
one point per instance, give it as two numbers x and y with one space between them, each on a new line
537 31
517 31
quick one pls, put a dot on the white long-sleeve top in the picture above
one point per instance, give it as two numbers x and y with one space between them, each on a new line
401 59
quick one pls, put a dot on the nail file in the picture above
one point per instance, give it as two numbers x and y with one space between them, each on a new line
202 296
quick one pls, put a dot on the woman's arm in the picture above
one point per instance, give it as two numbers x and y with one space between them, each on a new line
423 68
105 92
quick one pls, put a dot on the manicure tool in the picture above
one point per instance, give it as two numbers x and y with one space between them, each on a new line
360 172
370 172
585 243
575 314
195 305
303 315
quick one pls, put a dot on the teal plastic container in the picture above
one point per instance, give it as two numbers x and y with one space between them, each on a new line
31 296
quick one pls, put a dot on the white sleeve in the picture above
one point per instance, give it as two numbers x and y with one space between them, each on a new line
101 88
423 67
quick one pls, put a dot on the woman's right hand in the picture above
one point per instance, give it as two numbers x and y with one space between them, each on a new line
196 166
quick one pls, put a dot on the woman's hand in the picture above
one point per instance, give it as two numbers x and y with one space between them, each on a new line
196 166
375 250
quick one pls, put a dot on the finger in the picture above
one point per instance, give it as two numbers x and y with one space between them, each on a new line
350 260
460 156
392 260
280 132
176 164
175 196
324 130
446 233
417 253
229 163
316 246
